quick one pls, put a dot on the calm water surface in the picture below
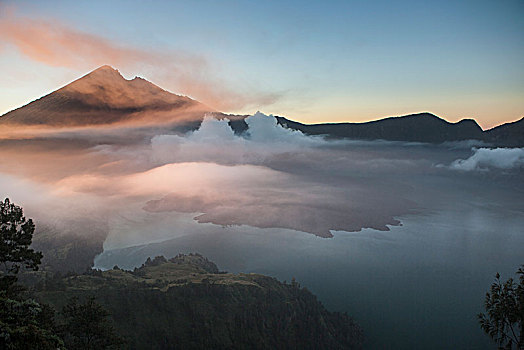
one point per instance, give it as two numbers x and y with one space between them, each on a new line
419 285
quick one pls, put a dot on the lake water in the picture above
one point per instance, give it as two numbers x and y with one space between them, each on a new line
419 285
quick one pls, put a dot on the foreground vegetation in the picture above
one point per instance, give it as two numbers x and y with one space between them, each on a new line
181 303
28 324
185 302
504 317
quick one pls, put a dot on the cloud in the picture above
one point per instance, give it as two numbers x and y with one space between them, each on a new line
55 44
486 158
267 177
465 144
263 128
215 141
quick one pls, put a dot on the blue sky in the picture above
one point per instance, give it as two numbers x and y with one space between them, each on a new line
308 60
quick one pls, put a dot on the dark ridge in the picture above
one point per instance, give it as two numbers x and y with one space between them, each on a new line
507 135
422 127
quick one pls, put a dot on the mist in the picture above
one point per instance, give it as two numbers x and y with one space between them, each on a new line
266 177
215 141
273 200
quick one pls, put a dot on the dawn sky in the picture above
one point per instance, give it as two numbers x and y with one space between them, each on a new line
311 61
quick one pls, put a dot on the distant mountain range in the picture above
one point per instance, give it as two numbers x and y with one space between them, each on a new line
421 127
104 97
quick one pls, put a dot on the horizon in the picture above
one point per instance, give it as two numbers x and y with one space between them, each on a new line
287 117
336 62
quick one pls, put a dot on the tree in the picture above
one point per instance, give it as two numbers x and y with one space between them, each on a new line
27 324
24 323
87 326
16 235
504 317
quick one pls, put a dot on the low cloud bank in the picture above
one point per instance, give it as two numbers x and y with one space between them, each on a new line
268 177
216 142
486 158
465 144
264 128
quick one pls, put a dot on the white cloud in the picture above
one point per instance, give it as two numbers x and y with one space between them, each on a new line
486 158
264 128
215 141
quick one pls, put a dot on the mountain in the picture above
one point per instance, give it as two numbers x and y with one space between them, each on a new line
104 96
186 303
421 127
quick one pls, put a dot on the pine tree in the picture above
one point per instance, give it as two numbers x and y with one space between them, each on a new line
16 235
24 323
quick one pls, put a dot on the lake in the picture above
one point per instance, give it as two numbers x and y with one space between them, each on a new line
419 285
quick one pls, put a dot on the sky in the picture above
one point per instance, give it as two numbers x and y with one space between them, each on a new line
310 61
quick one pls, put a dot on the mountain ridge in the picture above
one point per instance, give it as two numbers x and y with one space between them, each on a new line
420 127
105 97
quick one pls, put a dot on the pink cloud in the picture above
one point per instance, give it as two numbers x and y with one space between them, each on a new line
55 44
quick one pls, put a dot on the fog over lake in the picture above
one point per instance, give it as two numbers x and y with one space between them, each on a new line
405 237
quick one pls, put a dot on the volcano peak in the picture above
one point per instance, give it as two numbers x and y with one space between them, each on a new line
104 96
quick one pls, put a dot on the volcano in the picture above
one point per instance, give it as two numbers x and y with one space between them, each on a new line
104 96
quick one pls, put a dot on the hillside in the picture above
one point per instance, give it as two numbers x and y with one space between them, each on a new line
186 303
508 135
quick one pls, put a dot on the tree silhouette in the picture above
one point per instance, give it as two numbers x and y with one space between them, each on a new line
503 320
16 235
24 323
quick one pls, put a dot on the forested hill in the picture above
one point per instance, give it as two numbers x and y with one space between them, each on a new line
186 303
